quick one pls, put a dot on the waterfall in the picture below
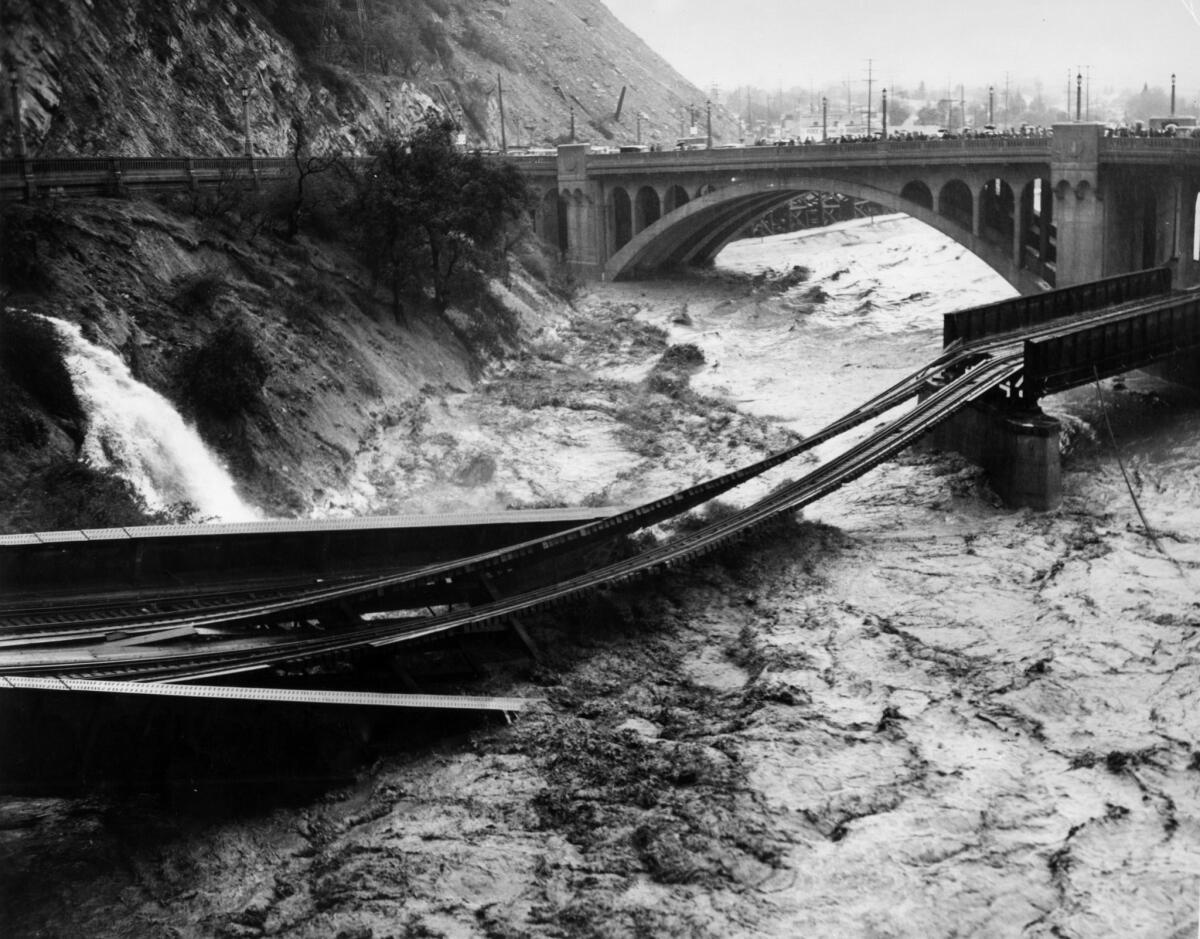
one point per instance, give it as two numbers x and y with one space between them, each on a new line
138 434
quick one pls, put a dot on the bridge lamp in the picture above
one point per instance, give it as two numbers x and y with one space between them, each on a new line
387 114
246 120
14 81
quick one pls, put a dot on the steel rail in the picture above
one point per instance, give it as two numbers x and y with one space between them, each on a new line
224 610
277 695
190 664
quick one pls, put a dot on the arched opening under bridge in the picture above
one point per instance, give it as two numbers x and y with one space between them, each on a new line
955 203
551 221
917 192
647 209
695 233
622 217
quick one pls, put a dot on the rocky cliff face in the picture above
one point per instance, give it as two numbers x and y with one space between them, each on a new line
144 78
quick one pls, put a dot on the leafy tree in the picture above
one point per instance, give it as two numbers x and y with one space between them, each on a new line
898 112
930 114
1148 103
426 209
306 165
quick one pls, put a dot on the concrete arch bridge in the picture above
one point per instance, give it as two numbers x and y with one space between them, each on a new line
1041 211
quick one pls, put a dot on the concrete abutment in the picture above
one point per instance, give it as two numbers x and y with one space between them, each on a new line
1017 448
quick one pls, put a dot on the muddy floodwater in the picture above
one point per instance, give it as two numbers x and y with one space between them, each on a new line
910 712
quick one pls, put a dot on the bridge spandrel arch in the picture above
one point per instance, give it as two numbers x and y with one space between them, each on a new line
695 233
622 208
1037 236
956 202
917 192
674 198
550 220
996 217
647 209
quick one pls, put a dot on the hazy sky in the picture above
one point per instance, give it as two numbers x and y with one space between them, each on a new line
793 42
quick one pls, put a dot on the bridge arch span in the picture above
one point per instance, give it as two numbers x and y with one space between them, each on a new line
956 203
647 208
917 191
696 232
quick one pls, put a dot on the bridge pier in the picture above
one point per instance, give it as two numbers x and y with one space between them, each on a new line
587 236
1018 448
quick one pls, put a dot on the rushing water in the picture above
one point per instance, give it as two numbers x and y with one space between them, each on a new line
989 726
138 434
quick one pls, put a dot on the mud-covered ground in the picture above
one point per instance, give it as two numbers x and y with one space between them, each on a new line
912 713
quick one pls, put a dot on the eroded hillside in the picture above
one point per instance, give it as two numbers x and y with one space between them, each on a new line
140 79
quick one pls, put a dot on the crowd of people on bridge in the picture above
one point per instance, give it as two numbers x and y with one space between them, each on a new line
967 133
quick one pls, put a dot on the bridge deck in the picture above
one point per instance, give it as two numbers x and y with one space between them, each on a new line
186 557
1023 313
1135 340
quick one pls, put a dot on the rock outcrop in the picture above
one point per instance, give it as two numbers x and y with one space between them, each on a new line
147 79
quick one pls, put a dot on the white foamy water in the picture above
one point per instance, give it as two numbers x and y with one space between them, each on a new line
869 314
138 434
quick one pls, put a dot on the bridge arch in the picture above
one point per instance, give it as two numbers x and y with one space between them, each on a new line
647 209
997 211
550 220
696 232
955 203
918 192
676 196
1038 239
622 217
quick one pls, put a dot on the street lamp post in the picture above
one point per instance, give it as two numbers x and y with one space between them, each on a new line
1172 94
14 81
572 123
991 104
884 106
387 115
708 124
639 127
503 131
246 149
1078 96
824 119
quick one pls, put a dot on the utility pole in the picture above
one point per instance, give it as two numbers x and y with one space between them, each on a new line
503 133
884 106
